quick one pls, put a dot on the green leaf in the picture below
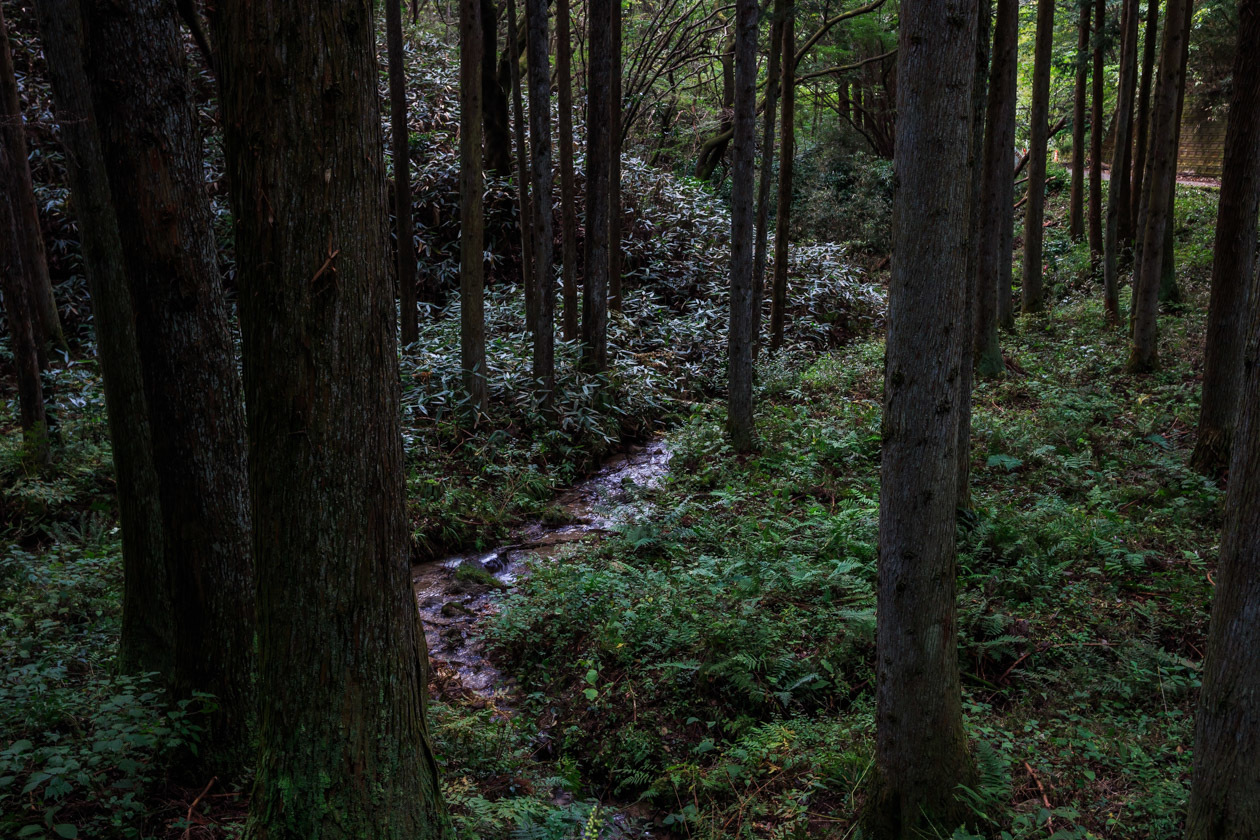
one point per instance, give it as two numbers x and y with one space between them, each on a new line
591 693
66 830
1006 462
591 676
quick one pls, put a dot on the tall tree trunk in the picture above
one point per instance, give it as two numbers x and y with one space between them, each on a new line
496 132
472 226
787 158
1076 211
1143 111
773 72
21 197
343 745
145 116
739 406
1225 783
598 167
524 212
568 190
1234 254
540 163
921 753
997 190
1124 122
23 320
1163 175
406 251
1033 297
1096 140
1169 291
614 164
145 643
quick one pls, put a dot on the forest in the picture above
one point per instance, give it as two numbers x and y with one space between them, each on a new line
593 420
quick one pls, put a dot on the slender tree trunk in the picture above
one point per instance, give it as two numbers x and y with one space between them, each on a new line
739 407
46 329
540 163
496 133
152 152
1033 297
598 167
145 644
997 190
23 321
773 72
568 191
1163 174
406 250
1169 291
1124 122
614 165
1225 783
1143 110
1234 254
787 158
343 745
921 753
1096 140
1076 211
523 209
472 230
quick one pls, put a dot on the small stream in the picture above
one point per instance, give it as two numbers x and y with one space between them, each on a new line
455 594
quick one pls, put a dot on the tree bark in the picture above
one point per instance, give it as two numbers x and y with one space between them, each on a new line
540 164
406 240
146 121
1225 782
1143 355
343 745
524 211
568 190
787 159
1076 211
46 329
1124 121
1096 140
472 230
495 131
145 643
614 163
773 72
598 167
1169 291
997 192
921 752
1143 111
739 407
1234 254
1033 297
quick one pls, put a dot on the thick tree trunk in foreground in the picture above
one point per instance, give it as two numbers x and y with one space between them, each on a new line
1143 355
146 121
406 252
1234 254
472 226
1124 121
1225 784
997 190
23 321
343 745
921 753
1076 205
1033 297
145 643
1096 140
739 405
787 158
46 329
1143 117
540 166
766 178
568 190
598 167
614 162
